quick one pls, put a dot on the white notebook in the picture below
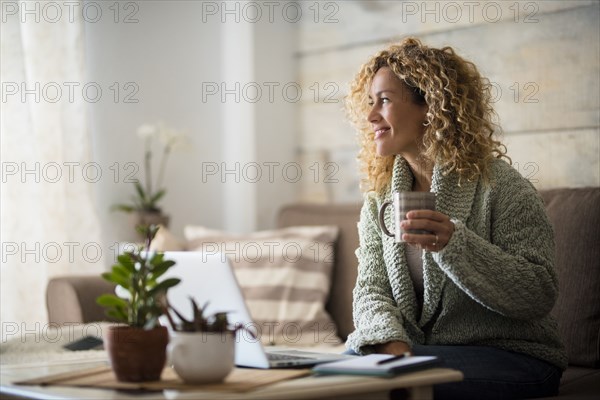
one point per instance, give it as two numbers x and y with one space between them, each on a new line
376 365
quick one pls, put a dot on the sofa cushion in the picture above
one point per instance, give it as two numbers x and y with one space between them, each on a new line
345 217
575 216
285 276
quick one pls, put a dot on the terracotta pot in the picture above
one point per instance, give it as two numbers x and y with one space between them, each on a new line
151 217
137 355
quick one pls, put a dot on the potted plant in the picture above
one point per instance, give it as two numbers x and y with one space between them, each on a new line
202 349
137 350
145 202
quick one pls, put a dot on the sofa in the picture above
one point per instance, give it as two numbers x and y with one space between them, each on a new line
574 213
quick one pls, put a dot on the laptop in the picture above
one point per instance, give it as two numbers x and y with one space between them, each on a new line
209 278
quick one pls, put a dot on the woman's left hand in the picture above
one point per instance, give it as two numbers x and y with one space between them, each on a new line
438 224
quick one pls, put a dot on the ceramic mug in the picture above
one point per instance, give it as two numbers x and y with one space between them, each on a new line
202 357
404 202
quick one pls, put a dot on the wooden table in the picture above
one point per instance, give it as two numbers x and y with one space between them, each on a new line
418 385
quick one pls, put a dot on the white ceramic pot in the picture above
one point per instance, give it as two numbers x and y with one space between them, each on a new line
201 357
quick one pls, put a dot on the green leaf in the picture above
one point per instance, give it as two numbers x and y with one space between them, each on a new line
148 231
116 278
161 268
108 277
157 258
110 300
138 204
128 208
127 261
181 317
157 196
117 314
135 258
140 191
199 320
152 231
154 310
195 309
134 286
163 286
244 328
121 271
220 323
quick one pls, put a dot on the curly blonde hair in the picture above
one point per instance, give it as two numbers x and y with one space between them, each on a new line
459 127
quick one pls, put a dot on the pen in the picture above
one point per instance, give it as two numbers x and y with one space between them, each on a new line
392 359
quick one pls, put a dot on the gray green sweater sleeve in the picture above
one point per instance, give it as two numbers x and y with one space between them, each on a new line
376 315
513 274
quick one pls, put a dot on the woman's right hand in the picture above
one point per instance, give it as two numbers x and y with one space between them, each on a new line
395 348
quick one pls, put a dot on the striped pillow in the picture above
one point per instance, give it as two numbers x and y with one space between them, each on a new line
285 276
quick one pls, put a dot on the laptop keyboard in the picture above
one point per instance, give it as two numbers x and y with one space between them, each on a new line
283 357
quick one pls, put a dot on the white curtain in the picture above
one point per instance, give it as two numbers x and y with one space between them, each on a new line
49 225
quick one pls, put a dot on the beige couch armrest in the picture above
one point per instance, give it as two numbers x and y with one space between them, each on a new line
72 299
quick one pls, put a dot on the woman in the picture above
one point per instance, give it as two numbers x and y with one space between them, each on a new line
478 290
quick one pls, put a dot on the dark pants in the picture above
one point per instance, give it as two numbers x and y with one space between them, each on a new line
491 373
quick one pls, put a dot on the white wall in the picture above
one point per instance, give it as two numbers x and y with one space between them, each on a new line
276 121
167 55
178 46
260 133
547 51
175 51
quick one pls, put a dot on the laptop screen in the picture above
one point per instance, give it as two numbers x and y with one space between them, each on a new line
209 278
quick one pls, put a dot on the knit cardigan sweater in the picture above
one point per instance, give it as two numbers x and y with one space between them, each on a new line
493 284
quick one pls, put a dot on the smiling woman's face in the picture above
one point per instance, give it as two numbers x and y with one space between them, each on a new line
396 118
